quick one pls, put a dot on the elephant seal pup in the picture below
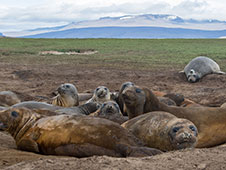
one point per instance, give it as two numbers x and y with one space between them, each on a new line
8 98
101 94
210 121
70 135
163 131
43 107
67 96
199 67
110 110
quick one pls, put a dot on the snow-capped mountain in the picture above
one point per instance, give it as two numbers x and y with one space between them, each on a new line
127 21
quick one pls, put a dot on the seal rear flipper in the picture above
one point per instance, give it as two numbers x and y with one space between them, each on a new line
84 150
219 72
28 145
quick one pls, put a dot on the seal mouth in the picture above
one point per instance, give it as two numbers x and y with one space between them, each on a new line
3 126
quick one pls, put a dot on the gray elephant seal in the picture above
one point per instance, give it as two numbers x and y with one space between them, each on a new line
210 121
163 131
70 135
49 109
67 96
101 94
110 110
199 67
8 98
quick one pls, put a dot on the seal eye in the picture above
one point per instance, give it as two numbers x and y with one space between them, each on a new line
192 128
175 129
97 89
103 105
138 90
105 89
14 114
67 86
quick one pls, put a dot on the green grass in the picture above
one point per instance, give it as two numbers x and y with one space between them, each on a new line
119 53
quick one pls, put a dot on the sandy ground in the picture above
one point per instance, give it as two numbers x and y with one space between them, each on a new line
39 80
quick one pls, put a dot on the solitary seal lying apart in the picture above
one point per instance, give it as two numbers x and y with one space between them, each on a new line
163 131
110 110
67 96
199 67
70 135
210 121
101 94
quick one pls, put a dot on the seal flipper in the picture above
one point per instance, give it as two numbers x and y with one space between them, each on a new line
28 145
84 150
182 71
219 72
137 151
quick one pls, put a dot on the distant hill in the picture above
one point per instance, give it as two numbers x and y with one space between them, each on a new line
131 32
131 26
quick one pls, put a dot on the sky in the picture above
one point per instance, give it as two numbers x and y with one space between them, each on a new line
18 15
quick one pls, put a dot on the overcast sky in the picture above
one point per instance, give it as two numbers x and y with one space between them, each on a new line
26 14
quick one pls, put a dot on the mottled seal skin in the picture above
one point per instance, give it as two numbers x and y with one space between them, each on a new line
70 135
199 67
43 107
210 121
101 94
8 98
110 110
163 131
67 96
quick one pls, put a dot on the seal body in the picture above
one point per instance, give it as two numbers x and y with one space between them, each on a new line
110 110
70 135
101 94
163 131
67 96
8 98
210 121
199 67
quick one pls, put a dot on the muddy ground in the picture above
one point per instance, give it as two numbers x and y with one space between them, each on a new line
42 80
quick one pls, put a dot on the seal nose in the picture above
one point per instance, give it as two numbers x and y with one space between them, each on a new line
186 136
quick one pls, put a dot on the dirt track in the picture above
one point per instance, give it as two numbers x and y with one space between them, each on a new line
39 80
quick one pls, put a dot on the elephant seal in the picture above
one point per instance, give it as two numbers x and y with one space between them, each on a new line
67 96
119 99
40 107
199 67
101 94
70 135
110 110
8 98
163 131
210 121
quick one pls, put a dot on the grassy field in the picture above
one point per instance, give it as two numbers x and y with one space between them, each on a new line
121 53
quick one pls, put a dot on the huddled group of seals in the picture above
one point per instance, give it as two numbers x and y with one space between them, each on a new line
133 121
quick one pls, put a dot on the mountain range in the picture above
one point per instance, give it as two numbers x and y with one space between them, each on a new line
131 26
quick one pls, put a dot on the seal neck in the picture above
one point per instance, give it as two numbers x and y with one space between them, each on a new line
25 123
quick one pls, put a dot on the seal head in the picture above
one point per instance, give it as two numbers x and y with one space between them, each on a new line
192 76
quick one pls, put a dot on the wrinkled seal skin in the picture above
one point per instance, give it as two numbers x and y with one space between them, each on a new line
210 121
163 131
110 110
84 109
67 96
199 67
70 135
8 98
101 94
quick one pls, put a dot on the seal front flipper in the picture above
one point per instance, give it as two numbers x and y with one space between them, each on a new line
137 151
28 145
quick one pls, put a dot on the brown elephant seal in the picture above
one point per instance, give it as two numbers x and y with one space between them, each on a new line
8 98
163 131
199 67
84 109
67 96
101 94
70 135
167 101
119 99
110 110
210 121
